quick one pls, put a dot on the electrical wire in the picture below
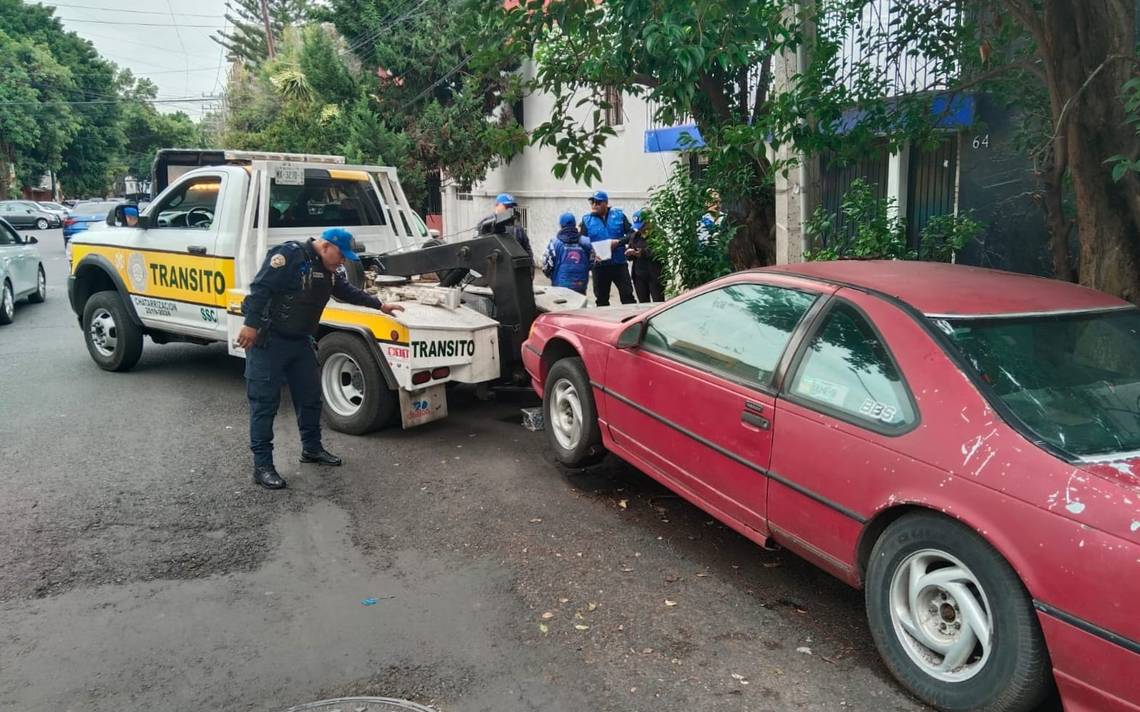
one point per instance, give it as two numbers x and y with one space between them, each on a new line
369 37
119 9
137 24
120 100
438 82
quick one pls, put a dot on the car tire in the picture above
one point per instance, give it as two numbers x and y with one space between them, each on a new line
964 585
355 397
114 341
38 296
41 224
7 304
570 416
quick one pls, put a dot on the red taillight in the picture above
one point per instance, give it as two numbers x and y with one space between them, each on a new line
69 222
441 372
421 377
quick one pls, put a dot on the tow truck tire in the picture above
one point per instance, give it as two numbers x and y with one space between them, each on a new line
570 416
355 396
114 341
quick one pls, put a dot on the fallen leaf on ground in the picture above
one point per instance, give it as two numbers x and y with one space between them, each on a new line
582 627
647 651
626 569
547 616
701 575
804 649
670 603
536 520
592 606
624 503
737 676
543 628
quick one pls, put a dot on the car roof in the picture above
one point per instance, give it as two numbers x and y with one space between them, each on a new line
939 289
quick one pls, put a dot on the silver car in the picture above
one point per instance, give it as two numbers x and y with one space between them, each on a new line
21 272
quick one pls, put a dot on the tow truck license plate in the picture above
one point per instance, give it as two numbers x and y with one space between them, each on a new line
423 406
289 175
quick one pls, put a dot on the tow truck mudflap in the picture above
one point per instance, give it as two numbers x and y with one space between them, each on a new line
423 406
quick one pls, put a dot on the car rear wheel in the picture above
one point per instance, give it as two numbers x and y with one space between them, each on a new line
356 398
952 620
41 224
38 296
113 340
571 418
7 304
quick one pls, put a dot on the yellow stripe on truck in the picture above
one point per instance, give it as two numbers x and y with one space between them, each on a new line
380 325
197 279
341 174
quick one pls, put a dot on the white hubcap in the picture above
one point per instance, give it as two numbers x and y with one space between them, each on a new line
941 615
104 336
566 414
343 385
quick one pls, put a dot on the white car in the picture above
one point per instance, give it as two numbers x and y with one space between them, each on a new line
21 272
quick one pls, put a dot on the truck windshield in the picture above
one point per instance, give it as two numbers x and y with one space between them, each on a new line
1073 379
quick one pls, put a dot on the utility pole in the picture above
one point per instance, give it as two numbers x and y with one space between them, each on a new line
797 190
269 49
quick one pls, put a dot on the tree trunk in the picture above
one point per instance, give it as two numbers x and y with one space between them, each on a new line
1057 224
754 244
1083 38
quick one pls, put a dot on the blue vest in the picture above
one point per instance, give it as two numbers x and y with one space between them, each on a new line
609 229
573 271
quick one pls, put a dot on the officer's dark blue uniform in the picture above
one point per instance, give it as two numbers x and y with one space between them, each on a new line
285 303
611 225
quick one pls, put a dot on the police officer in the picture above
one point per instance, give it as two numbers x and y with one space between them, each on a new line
503 203
606 223
282 313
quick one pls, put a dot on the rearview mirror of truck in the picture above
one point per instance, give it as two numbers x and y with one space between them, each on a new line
127 215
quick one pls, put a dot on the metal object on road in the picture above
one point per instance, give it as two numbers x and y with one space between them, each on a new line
362 704
532 419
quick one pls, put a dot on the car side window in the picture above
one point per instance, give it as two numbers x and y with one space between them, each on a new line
191 205
740 330
8 236
847 370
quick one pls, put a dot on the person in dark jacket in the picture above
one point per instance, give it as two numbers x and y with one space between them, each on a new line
568 257
503 203
606 224
645 268
282 314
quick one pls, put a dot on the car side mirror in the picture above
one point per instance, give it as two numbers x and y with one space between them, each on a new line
631 337
31 240
128 216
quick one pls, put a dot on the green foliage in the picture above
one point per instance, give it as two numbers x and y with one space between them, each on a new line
245 39
691 255
879 234
1122 164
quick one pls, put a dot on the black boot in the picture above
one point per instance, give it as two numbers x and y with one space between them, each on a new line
267 477
321 457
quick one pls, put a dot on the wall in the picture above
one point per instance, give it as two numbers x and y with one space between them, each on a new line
628 174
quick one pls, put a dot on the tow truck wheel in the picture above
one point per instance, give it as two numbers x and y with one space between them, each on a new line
113 340
571 418
356 398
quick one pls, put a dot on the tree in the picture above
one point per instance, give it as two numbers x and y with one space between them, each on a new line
246 40
146 130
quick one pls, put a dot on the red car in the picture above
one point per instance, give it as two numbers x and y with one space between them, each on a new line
963 444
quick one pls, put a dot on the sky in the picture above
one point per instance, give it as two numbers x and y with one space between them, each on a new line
165 40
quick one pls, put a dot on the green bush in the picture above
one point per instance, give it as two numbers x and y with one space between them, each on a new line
675 234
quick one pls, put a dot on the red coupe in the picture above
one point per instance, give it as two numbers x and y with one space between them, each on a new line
958 442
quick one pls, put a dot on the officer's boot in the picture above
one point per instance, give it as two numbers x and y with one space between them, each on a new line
267 477
320 456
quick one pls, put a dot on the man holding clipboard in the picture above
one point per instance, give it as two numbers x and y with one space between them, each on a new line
608 230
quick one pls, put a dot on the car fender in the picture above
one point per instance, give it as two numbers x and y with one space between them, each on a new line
78 294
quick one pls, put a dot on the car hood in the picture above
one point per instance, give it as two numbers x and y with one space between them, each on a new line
612 315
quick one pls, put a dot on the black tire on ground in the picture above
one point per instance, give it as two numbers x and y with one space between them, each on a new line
41 224
1016 675
376 406
105 314
567 397
38 296
7 304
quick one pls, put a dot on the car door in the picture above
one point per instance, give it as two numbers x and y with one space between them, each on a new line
13 259
694 399
173 272
14 214
845 413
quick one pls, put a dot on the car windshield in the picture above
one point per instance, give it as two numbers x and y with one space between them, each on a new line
94 207
1073 379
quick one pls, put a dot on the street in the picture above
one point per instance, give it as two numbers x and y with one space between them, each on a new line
142 569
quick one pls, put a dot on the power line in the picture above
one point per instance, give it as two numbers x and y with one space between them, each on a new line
140 12
439 81
137 24
369 37
178 34
187 100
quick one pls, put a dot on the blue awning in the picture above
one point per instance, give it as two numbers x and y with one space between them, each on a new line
950 111
673 138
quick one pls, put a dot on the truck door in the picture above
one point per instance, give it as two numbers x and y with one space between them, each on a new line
177 280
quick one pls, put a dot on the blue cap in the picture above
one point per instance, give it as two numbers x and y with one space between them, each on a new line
566 220
131 211
599 197
505 199
638 218
343 240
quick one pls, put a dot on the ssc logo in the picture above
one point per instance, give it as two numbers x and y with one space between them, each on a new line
136 272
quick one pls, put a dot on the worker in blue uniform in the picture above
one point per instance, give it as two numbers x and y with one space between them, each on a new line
604 223
282 315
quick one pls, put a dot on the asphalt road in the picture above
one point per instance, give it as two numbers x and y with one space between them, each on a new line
140 568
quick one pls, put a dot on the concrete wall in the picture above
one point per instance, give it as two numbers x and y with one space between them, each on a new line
628 174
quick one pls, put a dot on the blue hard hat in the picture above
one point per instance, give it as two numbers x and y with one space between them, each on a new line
599 197
343 240
639 217
566 220
506 199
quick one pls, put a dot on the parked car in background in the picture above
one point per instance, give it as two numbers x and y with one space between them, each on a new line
84 214
21 272
27 214
961 443
55 208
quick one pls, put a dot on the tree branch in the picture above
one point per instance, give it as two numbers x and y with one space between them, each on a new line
645 80
762 88
1024 64
1064 114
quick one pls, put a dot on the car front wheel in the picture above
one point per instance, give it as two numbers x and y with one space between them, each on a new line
571 418
7 304
113 340
952 620
41 224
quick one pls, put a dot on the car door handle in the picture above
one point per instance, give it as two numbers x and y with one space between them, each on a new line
755 420
196 249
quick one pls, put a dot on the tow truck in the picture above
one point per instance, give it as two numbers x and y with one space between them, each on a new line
180 275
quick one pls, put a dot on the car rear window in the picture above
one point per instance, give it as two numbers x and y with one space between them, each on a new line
327 199
1074 380
94 207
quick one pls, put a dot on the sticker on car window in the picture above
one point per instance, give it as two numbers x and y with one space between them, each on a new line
823 391
879 411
